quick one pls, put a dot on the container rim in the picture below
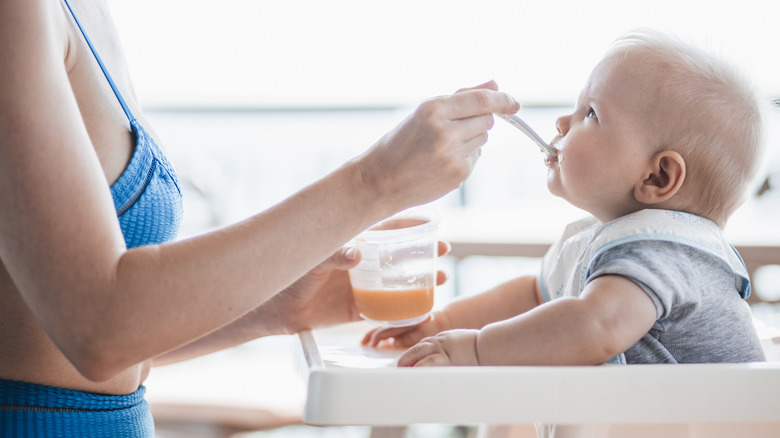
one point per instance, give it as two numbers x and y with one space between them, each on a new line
430 217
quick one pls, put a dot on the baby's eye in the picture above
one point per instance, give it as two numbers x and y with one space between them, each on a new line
592 114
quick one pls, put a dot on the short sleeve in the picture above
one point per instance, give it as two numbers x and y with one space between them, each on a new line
668 272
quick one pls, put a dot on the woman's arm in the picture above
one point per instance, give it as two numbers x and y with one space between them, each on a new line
320 298
108 308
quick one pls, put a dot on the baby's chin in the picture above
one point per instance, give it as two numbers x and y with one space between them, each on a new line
553 184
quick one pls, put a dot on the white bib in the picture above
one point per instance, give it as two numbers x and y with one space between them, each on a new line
566 266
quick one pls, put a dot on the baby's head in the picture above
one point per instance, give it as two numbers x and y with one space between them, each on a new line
679 128
705 110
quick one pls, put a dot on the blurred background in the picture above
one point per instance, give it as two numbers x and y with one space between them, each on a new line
255 99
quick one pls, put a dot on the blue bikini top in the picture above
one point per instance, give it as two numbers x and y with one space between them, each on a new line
146 196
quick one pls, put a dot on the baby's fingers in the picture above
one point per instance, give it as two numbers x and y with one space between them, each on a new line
417 353
367 337
402 336
434 360
374 337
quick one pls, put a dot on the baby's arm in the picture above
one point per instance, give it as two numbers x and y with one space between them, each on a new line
611 315
504 301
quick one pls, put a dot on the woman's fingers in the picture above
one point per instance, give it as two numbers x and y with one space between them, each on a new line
478 102
444 248
489 85
441 278
343 259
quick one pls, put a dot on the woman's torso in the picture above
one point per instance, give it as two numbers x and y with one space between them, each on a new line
26 351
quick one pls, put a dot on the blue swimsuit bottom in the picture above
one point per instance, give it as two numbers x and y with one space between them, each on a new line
30 410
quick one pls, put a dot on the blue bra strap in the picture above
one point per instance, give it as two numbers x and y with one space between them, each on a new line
118 95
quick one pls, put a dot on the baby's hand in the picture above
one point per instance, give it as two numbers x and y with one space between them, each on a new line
454 347
405 337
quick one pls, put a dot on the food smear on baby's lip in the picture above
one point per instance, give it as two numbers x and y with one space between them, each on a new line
551 161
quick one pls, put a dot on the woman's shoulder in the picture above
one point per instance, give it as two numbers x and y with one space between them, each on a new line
31 29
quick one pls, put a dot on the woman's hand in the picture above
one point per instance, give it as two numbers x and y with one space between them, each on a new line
433 151
323 297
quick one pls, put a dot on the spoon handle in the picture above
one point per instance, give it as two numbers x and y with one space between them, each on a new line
518 123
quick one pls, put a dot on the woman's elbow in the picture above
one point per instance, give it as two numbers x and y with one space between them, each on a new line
97 361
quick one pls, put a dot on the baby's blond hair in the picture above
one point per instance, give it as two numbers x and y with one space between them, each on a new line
706 110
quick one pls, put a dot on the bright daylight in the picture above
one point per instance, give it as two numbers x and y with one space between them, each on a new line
615 286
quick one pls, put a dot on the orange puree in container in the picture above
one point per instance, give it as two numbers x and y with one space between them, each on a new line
394 304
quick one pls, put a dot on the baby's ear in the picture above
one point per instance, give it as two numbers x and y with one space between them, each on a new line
663 178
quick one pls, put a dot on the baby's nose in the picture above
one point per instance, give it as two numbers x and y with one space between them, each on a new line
562 125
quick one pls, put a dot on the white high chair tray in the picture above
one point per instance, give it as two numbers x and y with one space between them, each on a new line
352 385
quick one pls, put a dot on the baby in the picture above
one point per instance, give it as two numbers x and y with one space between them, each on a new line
660 149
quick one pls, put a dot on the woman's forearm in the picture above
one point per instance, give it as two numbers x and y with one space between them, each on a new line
256 324
213 278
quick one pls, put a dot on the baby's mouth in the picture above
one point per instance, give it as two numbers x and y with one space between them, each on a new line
551 161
